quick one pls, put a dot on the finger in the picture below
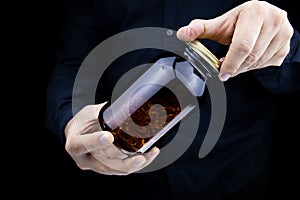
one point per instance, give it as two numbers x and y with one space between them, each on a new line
244 38
111 151
219 29
275 60
192 31
88 162
97 140
276 51
272 39
130 164
150 156
254 58
127 165
280 55
214 29
77 145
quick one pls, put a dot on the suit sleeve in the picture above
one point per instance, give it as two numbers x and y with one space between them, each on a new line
78 38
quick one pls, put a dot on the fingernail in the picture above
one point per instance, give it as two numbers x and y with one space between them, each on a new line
190 33
105 139
224 77
138 162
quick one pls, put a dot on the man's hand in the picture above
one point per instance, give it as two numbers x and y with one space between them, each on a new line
258 34
92 149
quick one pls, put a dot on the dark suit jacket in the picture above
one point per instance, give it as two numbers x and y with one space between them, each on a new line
244 146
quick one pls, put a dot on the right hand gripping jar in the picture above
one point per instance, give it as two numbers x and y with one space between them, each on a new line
158 99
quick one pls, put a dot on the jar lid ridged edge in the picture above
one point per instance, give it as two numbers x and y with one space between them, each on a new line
205 53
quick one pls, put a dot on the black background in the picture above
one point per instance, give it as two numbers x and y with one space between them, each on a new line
47 167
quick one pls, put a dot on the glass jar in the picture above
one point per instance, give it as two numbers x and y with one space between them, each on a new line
159 99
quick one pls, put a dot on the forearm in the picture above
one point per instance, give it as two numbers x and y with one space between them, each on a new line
59 100
77 40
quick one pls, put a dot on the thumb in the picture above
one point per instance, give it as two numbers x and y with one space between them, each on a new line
194 30
200 28
219 29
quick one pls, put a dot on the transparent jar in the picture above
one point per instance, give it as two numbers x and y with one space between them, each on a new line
159 99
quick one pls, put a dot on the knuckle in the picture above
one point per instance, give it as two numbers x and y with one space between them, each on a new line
278 21
282 53
256 6
74 147
256 65
86 108
279 18
289 31
259 6
252 58
194 21
283 14
129 165
244 47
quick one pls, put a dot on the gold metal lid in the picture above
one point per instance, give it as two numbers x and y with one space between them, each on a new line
205 54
